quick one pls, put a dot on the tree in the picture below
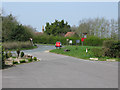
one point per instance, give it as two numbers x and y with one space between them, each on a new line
9 23
100 27
57 28
14 31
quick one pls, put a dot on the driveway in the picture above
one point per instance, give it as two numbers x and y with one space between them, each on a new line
59 71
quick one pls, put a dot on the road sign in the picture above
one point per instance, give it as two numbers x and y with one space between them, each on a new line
70 41
85 36
77 41
82 39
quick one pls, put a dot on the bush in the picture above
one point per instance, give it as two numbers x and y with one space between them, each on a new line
22 61
22 54
111 48
15 62
30 59
97 52
108 43
93 41
18 52
35 58
49 39
6 55
9 54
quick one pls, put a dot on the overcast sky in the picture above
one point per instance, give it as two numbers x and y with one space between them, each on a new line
37 14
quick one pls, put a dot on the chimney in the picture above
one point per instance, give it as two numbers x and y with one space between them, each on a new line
43 29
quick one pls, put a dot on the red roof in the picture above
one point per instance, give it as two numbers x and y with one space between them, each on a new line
38 33
69 34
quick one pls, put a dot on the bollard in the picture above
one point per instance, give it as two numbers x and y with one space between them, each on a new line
86 50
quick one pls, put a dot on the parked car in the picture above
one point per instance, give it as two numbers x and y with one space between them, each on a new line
58 44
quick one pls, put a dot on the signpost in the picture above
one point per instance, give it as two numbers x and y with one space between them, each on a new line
70 42
77 41
67 41
84 37
31 40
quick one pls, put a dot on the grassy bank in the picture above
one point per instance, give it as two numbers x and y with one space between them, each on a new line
18 45
80 52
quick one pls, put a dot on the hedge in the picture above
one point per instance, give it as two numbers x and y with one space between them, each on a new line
46 39
111 48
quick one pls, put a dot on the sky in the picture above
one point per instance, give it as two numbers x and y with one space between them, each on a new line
37 14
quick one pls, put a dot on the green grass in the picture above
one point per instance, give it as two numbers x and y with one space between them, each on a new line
80 52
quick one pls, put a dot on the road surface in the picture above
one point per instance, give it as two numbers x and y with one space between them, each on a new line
59 71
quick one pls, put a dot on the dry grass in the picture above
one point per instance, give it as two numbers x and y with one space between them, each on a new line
16 45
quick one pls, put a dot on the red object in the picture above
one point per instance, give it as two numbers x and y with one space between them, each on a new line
58 44
82 39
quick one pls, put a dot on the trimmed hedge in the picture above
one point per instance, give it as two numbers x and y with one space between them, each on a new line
98 52
46 39
93 41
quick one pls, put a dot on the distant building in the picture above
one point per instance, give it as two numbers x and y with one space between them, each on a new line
40 33
69 34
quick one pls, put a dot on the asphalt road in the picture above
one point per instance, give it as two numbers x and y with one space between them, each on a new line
59 71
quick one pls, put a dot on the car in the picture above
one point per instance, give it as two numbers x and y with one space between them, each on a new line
58 44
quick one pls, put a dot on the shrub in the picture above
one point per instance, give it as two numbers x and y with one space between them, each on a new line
35 58
18 52
22 54
111 48
97 52
13 57
9 54
15 62
93 41
6 55
30 59
49 39
22 61
116 49
108 43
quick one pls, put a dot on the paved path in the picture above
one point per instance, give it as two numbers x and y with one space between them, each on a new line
59 71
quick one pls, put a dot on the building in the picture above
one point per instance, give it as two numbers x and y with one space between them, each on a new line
69 34
40 33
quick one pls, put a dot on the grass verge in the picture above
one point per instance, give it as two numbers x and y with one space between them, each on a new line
80 52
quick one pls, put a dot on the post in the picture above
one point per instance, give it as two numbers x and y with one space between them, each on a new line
31 41
86 50
67 41
82 43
